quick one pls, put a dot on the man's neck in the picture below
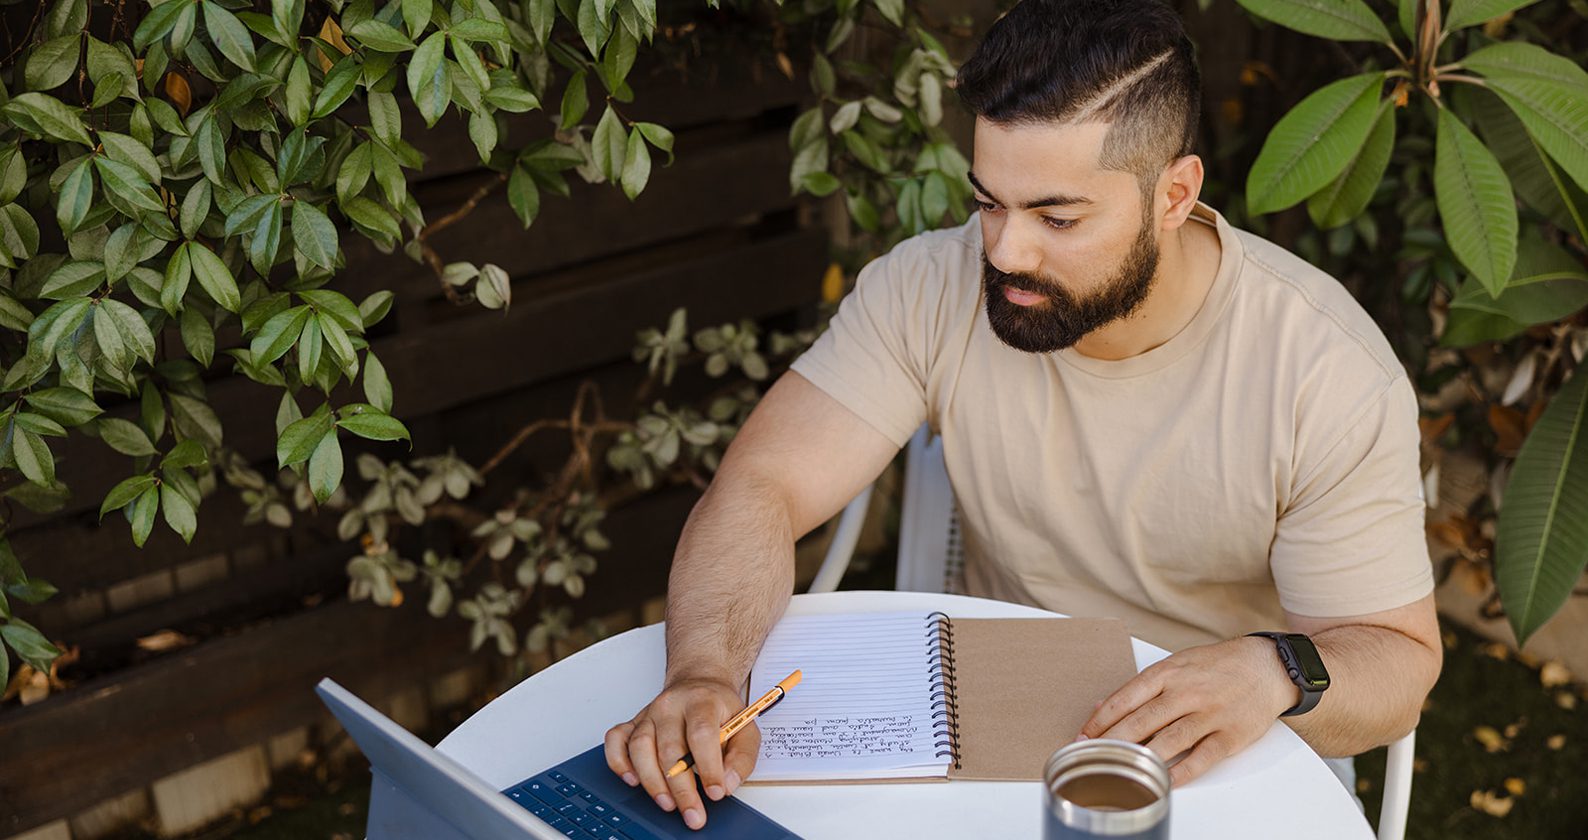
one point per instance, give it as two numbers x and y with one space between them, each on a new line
1188 261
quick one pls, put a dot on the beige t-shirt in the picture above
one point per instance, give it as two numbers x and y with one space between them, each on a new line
1263 459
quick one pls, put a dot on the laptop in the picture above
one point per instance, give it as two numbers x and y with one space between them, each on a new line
418 793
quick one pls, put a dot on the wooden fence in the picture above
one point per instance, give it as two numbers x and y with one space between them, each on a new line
178 739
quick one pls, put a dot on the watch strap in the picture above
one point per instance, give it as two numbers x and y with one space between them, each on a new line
1287 657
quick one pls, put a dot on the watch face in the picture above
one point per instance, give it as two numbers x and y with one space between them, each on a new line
1307 659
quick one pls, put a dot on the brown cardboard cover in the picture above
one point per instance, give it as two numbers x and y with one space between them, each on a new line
1025 686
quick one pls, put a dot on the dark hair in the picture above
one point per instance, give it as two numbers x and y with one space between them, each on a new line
1123 62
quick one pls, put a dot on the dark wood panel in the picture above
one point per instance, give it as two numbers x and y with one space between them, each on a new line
166 715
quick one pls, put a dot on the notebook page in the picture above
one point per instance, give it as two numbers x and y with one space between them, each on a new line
863 709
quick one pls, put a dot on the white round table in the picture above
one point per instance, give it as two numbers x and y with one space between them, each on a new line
1278 787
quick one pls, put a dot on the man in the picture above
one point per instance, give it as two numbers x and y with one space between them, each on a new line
1145 414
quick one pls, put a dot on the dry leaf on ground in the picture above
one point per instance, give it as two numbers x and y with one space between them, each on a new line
1491 803
1490 738
1554 675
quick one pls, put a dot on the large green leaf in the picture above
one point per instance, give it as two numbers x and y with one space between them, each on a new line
1541 541
1342 20
428 80
1475 203
1313 143
1519 61
1549 284
229 35
1538 181
53 62
1557 117
1347 195
314 234
325 467
1469 12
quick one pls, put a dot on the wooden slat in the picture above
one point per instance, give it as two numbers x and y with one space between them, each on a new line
586 324
151 720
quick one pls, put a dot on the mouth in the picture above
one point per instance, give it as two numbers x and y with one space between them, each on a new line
1021 297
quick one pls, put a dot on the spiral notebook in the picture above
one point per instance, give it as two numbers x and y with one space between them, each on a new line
925 696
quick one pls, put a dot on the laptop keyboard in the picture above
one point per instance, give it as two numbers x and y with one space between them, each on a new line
574 811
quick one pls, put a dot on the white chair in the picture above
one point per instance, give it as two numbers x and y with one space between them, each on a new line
931 559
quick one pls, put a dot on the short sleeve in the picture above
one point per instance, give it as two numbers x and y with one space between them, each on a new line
1351 540
873 357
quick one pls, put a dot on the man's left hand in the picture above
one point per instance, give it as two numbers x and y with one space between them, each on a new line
1213 700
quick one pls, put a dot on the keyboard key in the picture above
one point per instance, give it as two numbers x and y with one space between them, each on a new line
569 789
521 796
540 809
616 819
545 794
568 808
633 831
588 796
599 808
584 819
611 834
557 776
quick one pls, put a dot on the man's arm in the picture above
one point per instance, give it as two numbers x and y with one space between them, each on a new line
800 457
1216 700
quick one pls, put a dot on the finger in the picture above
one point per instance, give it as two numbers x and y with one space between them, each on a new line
704 732
739 759
1178 737
684 791
1208 752
1145 722
1130 697
642 753
617 751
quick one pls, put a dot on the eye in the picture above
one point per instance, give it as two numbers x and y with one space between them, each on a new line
986 206
1059 224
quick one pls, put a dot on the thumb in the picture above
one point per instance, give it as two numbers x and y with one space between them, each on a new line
739 758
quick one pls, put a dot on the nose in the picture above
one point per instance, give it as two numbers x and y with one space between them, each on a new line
1012 251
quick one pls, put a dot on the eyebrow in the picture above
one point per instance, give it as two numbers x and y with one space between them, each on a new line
1059 200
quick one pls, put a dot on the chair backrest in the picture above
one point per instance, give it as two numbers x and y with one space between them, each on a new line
931 554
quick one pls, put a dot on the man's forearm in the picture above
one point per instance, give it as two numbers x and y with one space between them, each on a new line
1379 678
732 576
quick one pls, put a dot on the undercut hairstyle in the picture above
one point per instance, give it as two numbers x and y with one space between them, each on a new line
1127 63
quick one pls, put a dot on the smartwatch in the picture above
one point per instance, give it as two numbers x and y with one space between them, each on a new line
1304 666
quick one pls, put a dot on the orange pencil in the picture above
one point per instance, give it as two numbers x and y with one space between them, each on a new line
740 720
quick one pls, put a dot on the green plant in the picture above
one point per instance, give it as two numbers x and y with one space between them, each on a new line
194 173
1522 267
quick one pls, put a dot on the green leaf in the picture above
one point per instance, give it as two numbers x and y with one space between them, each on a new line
575 101
325 467
288 16
32 455
266 240
229 35
299 89
1521 61
213 275
340 345
1548 284
53 62
381 36
1475 203
194 418
514 100
125 437
479 29
178 271
659 137
1469 12
132 152
354 172
893 10
278 335
1537 180
1555 115
523 196
428 80
336 305
33 591
1313 143
53 117
1342 20
179 512
67 406
384 117
142 514
416 15
13 172
377 387
77 198
339 85
608 143
185 455
125 493
29 644
314 234
593 25
299 440
127 183
309 346
636 166
482 130
370 423
108 337
198 336
157 24
210 141
72 279
19 236
1541 541
374 308
1348 195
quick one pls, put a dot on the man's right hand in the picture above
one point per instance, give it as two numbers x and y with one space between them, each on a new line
686 717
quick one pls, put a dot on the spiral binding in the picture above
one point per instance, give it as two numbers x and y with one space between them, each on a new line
943 684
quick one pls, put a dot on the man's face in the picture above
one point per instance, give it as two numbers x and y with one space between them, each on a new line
1066 245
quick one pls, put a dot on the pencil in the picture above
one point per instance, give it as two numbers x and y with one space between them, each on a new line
742 719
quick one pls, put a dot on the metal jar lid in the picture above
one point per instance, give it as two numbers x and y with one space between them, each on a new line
1115 758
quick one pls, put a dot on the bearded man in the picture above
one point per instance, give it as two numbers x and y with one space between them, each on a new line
1145 413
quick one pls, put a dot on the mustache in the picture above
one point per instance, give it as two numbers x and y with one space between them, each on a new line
994 278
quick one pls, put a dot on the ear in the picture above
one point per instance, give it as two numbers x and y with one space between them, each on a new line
1178 189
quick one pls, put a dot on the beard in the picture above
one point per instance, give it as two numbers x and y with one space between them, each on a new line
1065 318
